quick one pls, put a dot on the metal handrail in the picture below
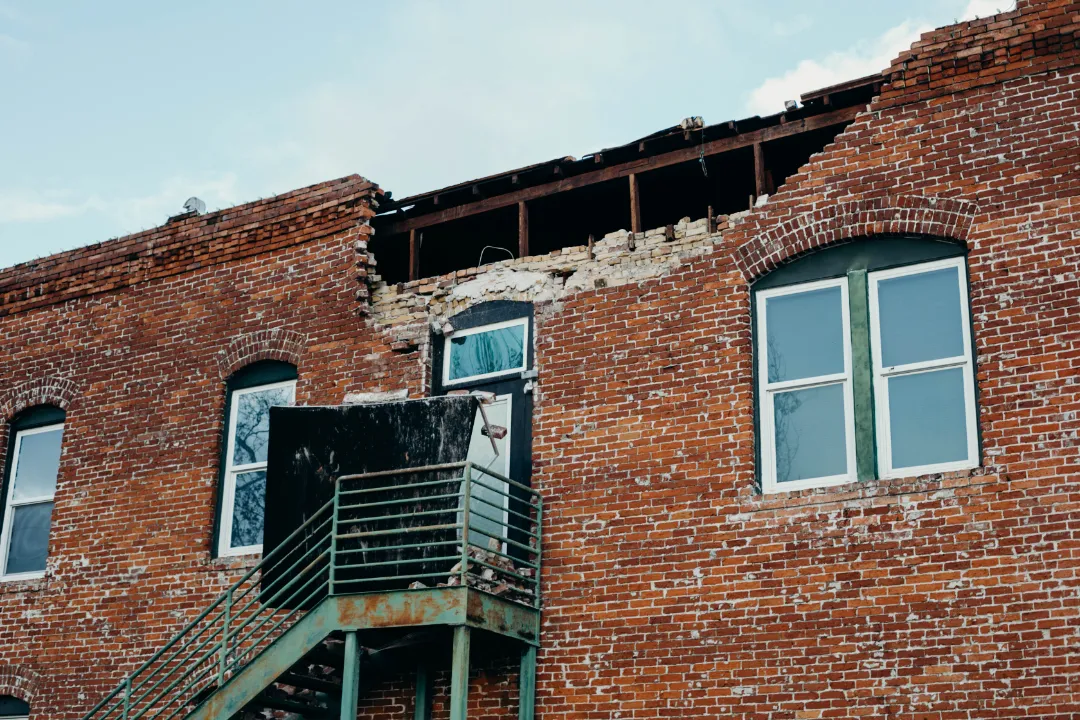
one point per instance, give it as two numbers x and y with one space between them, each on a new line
346 548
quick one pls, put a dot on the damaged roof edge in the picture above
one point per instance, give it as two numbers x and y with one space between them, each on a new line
850 94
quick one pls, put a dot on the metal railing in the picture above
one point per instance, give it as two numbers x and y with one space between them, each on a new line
381 532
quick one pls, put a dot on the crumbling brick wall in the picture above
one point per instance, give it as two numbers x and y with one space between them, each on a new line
673 589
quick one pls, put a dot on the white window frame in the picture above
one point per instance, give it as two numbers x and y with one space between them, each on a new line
766 391
447 349
228 496
883 430
10 504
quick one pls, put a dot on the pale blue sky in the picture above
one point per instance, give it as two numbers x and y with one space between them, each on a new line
113 113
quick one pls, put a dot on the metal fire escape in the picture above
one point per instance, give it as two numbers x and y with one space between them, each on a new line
395 570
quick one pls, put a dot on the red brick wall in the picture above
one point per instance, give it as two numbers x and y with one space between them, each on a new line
141 370
673 590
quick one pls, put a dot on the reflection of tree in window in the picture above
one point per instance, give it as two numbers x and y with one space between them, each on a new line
487 352
248 509
786 405
253 424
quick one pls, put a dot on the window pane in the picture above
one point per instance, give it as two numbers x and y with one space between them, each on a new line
487 352
805 334
249 505
810 433
37 464
29 538
253 423
486 489
920 317
927 418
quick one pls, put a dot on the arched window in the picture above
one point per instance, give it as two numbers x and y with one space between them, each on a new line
33 461
864 364
251 392
13 708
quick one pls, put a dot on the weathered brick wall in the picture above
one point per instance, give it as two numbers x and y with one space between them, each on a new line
673 589
141 371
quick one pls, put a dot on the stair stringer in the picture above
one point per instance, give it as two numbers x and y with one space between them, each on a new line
270 664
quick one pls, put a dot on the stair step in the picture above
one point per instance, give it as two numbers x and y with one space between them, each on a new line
307 711
323 655
302 680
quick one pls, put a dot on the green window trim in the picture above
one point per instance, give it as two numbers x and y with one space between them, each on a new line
856 266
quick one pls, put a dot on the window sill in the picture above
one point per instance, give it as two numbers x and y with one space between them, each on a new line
22 585
232 563
869 490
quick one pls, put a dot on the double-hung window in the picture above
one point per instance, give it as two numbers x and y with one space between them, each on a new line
806 382
34 462
243 496
924 379
866 374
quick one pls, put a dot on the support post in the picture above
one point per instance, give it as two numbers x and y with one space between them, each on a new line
350 677
523 229
635 204
527 684
127 697
759 170
459 675
414 255
422 710
712 221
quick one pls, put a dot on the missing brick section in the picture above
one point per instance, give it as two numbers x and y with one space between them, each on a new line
409 311
690 170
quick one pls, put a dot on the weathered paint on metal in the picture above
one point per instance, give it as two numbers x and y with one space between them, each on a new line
350 678
268 665
862 377
527 684
241 653
459 674
494 614
402 608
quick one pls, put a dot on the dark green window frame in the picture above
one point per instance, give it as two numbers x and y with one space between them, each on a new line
259 374
854 266
11 707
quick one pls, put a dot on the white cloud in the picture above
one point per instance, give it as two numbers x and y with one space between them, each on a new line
13 44
865 58
794 25
25 207
986 8
508 85
129 213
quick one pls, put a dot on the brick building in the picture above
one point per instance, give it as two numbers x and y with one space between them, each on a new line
814 458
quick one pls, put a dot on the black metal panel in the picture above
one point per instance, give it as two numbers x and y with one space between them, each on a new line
309 447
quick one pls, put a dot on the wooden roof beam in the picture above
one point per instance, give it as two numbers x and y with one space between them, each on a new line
712 147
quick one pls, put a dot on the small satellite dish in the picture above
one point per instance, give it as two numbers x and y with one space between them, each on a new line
195 205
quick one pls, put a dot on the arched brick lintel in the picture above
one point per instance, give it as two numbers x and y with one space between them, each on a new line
283 345
20 682
37 391
908 214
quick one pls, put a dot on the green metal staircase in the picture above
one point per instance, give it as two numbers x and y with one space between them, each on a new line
375 578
